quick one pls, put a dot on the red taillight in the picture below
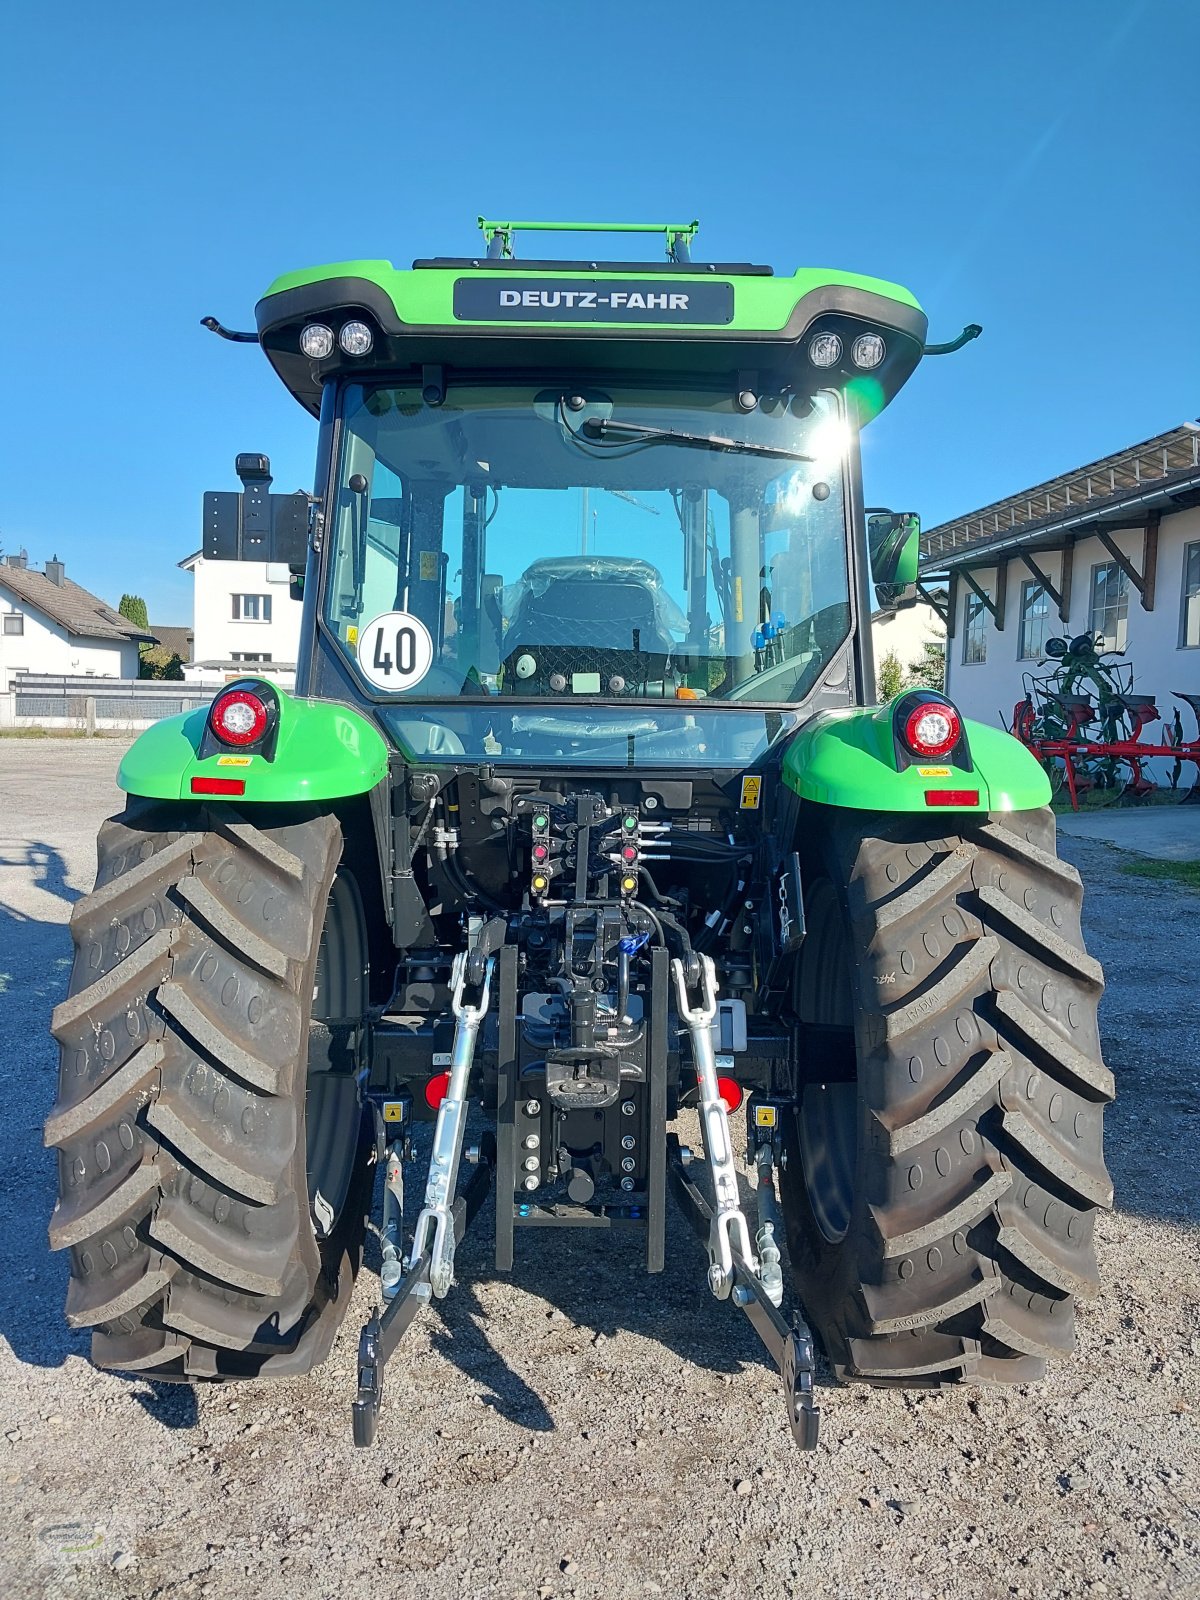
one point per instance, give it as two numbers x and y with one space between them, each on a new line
729 1090
952 797
436 1089
218 785
238 717
932 729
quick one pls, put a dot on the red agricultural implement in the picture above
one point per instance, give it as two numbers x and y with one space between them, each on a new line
1087 725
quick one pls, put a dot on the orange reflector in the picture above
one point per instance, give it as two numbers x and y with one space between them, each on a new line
435 1089
218 785
730 1091
952 797
686 694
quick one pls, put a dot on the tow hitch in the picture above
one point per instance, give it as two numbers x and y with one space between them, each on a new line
790 1345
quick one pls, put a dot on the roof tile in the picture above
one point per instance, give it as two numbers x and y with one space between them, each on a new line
82 614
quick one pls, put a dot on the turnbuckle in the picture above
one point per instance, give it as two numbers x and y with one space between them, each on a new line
770 1223
391 1270
436 1216
729 1234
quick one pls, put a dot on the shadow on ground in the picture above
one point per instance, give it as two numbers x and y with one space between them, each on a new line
35 961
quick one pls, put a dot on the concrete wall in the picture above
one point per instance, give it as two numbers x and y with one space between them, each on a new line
96 704
86 722
218 637
45 646
989 689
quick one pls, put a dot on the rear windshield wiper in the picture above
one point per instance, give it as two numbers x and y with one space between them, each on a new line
604 427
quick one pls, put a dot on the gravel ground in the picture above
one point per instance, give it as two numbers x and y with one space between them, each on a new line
582 1430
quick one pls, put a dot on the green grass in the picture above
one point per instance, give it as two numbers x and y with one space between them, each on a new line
1110 800
1185 872
43 733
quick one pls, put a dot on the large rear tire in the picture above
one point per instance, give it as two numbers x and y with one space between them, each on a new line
213 1150
940 1193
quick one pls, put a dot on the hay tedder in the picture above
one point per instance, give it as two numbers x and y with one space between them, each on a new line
1085 722
581 819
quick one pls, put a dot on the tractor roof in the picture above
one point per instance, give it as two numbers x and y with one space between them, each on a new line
677 319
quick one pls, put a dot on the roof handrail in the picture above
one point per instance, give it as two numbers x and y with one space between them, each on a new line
679 235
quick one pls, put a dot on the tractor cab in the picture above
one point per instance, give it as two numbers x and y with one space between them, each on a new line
608 487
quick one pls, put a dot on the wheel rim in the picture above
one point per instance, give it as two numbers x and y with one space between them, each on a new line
333 1107
827 1121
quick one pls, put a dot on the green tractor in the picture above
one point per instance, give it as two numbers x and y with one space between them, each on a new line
581 817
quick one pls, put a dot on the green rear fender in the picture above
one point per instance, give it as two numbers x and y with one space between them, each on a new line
848 758
323 751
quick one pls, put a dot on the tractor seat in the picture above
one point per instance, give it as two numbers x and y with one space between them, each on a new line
591 618
592 613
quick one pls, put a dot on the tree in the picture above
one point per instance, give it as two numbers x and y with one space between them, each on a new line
156 661
891 677
930 671
133 609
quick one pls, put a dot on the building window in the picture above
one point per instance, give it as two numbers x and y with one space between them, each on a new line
1189 628
250 655
1035 619
14 623
251 607
1110 605
974 624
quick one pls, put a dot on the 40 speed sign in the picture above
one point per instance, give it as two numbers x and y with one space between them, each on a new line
395 651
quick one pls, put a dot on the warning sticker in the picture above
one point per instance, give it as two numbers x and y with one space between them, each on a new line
751 792
393 1110
765 1116
934 772
233 761
429 566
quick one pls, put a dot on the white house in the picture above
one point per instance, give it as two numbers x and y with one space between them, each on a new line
1111 549
904 631
49 624
244 620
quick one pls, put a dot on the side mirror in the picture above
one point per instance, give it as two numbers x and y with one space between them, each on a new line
256 525
894 549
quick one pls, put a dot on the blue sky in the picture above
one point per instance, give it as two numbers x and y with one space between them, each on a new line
1030 166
